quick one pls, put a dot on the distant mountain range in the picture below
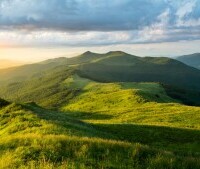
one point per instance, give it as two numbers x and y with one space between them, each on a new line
122 67
115 66
191 60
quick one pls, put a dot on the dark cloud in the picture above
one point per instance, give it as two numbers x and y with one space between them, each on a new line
101 15
99 22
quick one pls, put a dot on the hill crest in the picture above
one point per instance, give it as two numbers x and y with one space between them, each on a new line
191 60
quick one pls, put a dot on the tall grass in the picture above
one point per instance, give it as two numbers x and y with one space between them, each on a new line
112 125
51 151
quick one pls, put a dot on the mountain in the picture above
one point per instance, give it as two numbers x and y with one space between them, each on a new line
9 63
191 60
59 116
46 79
115 66
25 72
86 57
122 67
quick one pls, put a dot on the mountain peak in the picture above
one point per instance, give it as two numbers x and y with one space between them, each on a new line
116 53
88 53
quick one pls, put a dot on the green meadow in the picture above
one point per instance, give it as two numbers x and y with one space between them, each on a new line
63 119
112 125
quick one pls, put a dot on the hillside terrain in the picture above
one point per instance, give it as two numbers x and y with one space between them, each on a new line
78 113
46 79
34 137
114 66
122 67
191 60
26 72
29 71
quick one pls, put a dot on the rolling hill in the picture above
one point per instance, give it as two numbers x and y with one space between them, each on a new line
62 115
113 66
49 84
191 60
56 86
122 67
34 137
25 72
29 71
35 82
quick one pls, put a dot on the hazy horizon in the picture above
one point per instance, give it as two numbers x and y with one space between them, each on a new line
33 54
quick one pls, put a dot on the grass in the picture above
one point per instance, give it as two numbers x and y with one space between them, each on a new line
116 95
126 111
33 137
100 125
48 90
64 152
142 103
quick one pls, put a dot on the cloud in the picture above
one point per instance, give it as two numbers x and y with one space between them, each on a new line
79 15
184 14
97 22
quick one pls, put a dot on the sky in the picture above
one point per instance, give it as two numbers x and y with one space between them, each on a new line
34 30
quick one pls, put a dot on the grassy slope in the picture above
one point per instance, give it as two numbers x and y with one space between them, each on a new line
32 137
188 97
29 71
116 100
32 134
140 112
48 90
95 112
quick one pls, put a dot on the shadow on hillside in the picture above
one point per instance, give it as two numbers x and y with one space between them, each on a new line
89 116
182 141
175 139
187 97
68 124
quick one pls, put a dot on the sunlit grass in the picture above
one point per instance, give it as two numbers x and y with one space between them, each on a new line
104 125
141 103
51 151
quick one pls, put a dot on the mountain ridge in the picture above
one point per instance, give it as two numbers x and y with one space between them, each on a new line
113 66
125 67
191 60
